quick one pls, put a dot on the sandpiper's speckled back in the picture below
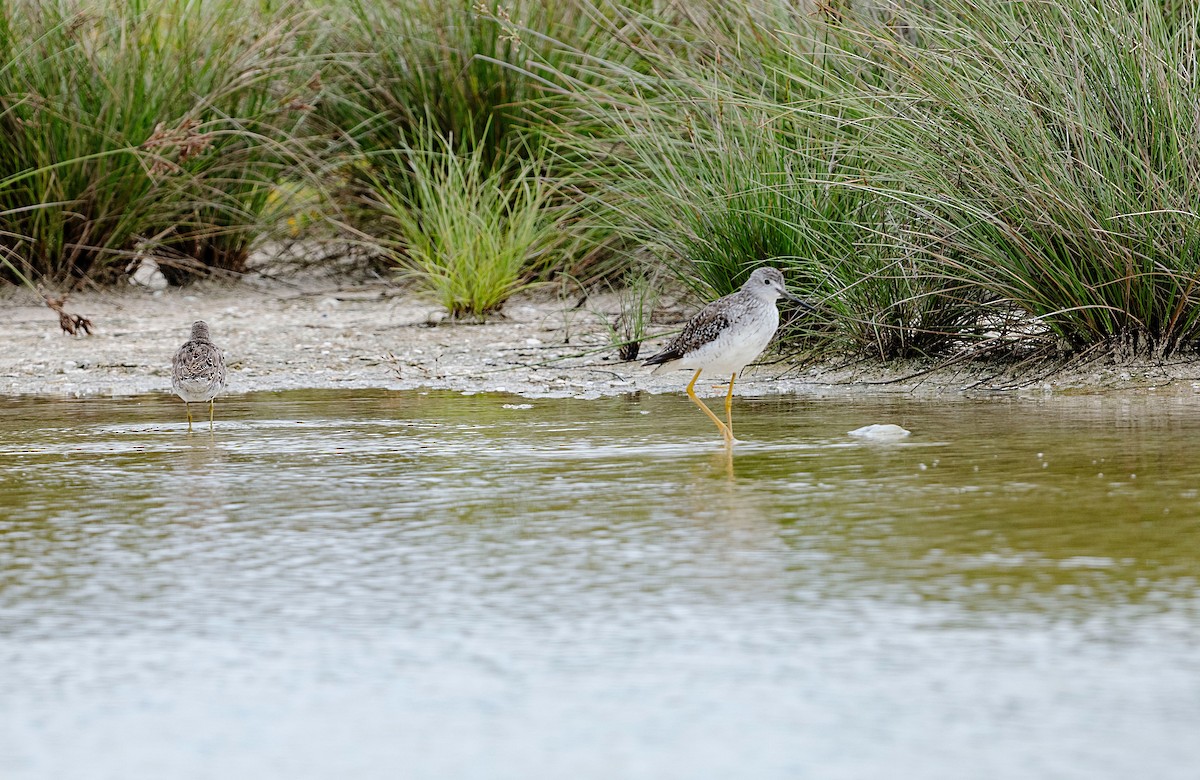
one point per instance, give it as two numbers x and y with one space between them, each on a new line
730 332
198 369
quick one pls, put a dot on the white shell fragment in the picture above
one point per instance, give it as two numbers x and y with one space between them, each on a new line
880 432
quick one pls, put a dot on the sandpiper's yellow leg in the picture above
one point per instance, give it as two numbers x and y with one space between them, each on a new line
691 391
189 411
211 401
729 409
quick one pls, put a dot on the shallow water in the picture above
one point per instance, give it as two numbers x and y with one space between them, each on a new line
382 585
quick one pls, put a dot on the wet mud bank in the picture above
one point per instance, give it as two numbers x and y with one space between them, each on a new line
281 337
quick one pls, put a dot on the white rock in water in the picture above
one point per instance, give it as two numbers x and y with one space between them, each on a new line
887 431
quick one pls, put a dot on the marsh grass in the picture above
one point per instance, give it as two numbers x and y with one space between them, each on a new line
442 118
449 66
936 177
142 127
495 74
1046 157
467 232
717 161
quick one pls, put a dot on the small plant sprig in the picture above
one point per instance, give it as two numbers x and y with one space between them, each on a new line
637 298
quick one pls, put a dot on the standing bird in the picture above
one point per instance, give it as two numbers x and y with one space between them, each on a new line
198 371
726 335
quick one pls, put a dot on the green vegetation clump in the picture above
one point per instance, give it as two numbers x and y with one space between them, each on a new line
1052 152
468 232
939 178
145 128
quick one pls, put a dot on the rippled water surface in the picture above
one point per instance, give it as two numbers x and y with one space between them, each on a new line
385 585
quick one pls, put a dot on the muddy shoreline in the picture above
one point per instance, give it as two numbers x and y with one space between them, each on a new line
282 336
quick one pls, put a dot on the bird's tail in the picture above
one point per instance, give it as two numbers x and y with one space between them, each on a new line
662 366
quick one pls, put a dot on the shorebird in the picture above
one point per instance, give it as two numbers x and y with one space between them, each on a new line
198 371
726 335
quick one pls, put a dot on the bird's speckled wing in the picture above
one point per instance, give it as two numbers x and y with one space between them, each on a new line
706 326
196 360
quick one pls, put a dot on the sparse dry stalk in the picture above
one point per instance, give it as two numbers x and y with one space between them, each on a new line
185 141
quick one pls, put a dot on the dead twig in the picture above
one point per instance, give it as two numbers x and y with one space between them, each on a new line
70 323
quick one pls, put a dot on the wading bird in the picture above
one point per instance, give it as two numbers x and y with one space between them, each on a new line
726 335
198 371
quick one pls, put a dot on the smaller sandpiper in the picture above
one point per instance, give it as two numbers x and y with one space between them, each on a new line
198 371
726 335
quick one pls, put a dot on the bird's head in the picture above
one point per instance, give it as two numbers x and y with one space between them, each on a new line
200 331
767 284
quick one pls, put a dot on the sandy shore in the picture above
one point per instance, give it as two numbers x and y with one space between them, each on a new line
278 337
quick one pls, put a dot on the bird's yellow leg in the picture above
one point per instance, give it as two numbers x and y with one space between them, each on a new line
189 411
729 409
691 391
211 401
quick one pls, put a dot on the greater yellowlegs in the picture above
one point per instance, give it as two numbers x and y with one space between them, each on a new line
198 371
726 335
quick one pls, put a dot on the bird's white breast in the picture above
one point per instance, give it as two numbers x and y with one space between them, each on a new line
737 345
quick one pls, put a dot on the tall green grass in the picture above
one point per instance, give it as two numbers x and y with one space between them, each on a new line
493 77
418 64
938 177
141 127
469 232
1050 153
949 177
726 152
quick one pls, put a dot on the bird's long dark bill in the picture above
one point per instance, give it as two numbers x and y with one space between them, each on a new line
803 304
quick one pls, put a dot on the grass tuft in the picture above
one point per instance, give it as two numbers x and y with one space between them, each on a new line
471 234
